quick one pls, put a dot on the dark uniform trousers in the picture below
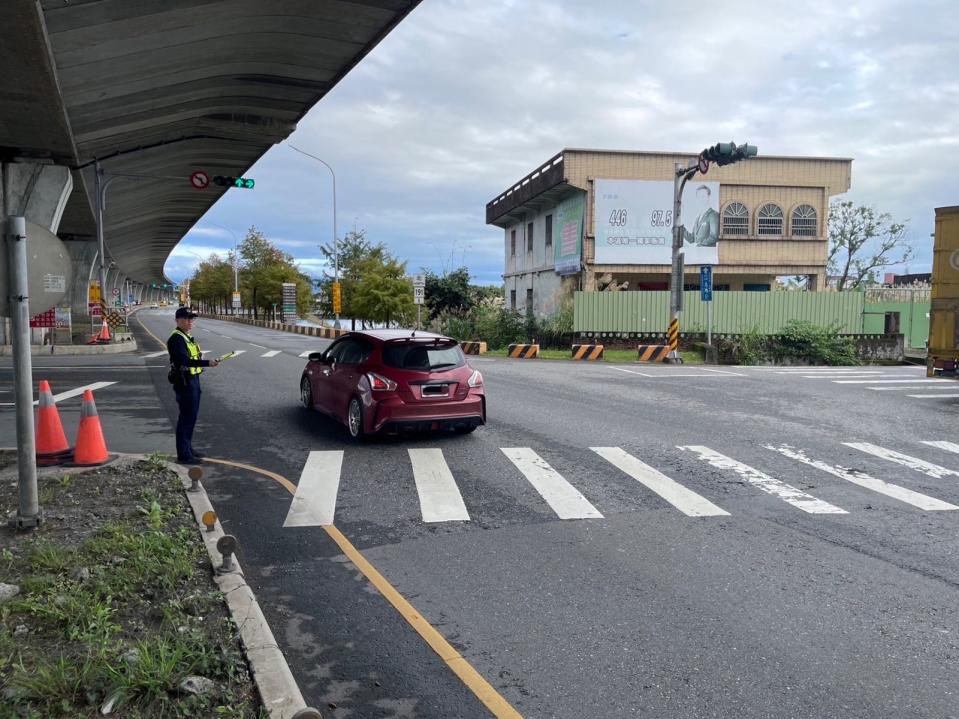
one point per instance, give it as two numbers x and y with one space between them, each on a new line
188 400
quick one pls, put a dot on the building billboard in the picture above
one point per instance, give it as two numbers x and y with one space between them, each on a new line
568 235
634 222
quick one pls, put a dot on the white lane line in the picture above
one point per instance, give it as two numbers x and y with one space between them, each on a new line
685 500
307 353
722 371
237 353
770 485
911 388
440 498
314 503
941 444
862 479
68 394
271 353
875 376
155 354
259 346
632 371
920 465
204 352
931 396
560 495
887 381
691 374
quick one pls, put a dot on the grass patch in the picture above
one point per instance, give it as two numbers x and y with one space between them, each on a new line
116 606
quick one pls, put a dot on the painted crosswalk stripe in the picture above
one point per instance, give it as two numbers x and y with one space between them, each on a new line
440 499
306 354
862 479
920 465
560 495
315 500
947 446
933 396
888 381
770 485
271 353
155 354
631 371
685 500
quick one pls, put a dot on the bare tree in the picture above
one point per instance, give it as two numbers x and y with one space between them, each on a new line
861 242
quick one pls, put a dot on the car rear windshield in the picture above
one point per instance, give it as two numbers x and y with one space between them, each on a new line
422 358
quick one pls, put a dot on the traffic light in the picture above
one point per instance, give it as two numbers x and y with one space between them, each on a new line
245 183
726 153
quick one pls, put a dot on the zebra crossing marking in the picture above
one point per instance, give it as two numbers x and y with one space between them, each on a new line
314 502
770 485
862 479
440 498
908 388
933 396
947 446
920 465
889 381
155 354
564 499
685 500
76 391
271 353
306 354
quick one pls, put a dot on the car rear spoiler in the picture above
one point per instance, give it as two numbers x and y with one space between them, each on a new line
435 341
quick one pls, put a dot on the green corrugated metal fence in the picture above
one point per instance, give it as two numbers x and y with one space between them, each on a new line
733 312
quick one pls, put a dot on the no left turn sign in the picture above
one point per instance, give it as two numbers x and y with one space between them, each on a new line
200 180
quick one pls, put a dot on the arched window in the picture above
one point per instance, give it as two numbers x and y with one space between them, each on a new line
803 221
735 219
770 220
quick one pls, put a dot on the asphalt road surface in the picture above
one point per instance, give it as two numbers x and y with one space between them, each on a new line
655 541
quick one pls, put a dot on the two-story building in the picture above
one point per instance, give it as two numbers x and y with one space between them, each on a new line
591 219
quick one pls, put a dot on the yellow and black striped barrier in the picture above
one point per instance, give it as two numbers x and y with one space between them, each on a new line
524 351
473 348
587 352
672 337
653 353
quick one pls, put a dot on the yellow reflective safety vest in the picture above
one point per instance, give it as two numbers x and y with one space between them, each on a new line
193 348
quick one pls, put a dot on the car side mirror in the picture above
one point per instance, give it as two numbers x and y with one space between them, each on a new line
317 357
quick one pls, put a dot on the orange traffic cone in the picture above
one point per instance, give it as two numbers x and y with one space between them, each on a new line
104 336
52 446
91 448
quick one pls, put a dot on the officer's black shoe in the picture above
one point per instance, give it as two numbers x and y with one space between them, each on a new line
191 460
199 455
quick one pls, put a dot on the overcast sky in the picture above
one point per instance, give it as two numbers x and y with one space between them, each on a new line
464 98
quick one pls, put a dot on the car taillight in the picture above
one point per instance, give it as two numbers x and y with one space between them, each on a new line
476 379
379 383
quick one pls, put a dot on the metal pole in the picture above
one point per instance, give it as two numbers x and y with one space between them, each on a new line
709 323
681 175
28 513
98 216
336 249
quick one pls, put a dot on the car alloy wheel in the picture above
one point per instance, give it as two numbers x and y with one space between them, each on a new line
355 419
306 393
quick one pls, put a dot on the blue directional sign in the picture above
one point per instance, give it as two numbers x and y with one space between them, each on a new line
706 283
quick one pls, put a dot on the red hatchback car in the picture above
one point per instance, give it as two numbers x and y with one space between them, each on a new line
395 381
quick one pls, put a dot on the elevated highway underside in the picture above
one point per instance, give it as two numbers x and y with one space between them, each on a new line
162 88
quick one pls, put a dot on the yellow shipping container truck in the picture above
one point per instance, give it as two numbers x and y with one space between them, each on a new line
944 313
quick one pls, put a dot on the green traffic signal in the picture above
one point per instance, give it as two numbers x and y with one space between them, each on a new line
726 153
245 183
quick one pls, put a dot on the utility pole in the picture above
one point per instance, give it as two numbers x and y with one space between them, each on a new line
723 153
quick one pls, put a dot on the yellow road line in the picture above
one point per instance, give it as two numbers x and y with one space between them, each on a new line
150 333
473 680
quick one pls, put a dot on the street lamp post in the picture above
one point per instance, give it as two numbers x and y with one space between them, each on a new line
336 251
236 258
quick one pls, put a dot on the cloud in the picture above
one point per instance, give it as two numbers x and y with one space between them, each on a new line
463 99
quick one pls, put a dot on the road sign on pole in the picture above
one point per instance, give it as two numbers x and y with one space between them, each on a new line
703 164
337 298
706 283
200 180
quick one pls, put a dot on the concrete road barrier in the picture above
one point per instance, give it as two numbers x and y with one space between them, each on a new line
653 353
588 352
524 351
473 348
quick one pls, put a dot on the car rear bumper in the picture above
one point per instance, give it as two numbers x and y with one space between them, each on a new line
396 415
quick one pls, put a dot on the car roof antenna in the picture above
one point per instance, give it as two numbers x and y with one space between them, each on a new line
413 333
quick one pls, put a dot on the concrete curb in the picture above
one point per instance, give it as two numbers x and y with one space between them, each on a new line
63 350
278 689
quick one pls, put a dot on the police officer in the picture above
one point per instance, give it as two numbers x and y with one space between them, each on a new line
185 368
